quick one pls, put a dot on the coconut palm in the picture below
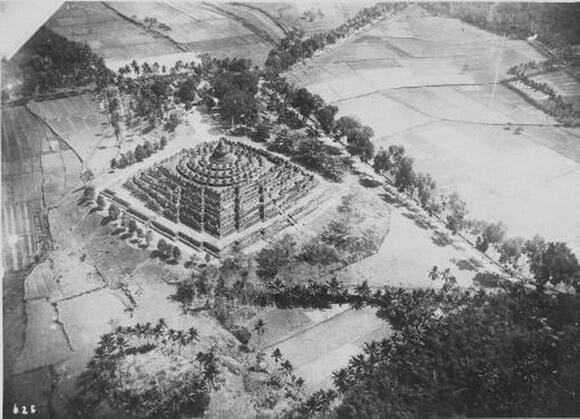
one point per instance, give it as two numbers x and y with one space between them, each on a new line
287 367
260 328
277 355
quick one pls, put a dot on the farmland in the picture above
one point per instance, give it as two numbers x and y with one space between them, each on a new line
84 124
311 17
121 31
433 91
108 34
37 168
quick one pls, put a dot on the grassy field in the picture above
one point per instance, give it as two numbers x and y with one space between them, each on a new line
428 83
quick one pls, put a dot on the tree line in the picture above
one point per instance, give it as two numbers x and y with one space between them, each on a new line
293 47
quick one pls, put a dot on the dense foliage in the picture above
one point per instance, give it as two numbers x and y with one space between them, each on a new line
556 24
48 62
460 352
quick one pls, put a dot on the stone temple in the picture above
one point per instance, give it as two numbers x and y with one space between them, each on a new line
223 189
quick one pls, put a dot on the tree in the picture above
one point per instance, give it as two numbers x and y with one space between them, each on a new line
346 125
510 251
130 156
123 162
457 352
552 263
405 177
325 116
262 132
87 176
287 367
260 328
305 102
425 189
139 153
389 161
114 212
89 193
456 212
148 148
172 122
492 233
176 253
277 355
272 259
359 143
114 163
162 246
186 91
163 142
148 237
100 202
338 234
132 226
239 106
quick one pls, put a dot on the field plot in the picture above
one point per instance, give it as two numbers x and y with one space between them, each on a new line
564 84
327 346
107 33
435 95
312 16
84 124
220 30
35 162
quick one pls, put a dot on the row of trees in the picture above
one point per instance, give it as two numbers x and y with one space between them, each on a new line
313 108
293 48
564 111
312 153
141 153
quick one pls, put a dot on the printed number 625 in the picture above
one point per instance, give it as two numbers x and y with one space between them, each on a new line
24 410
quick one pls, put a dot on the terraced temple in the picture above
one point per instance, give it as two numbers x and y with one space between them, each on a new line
222 188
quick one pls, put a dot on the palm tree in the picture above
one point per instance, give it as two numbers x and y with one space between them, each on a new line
341 378
192 334
277 355
434 273
260 328
287 367
334 287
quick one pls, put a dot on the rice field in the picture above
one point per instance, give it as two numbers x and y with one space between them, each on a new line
428 83
37 168
83 123
311 16
107 33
